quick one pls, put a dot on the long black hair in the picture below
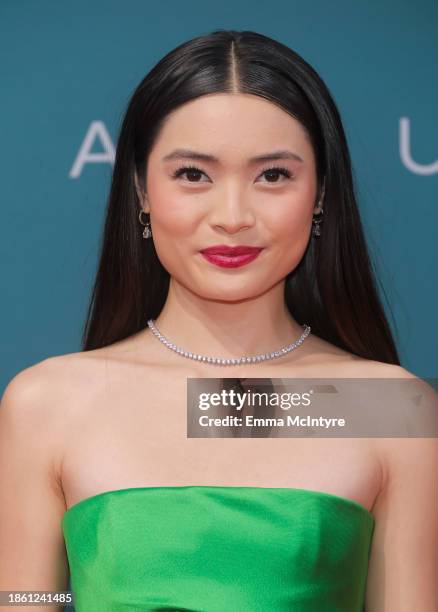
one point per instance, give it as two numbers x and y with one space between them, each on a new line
333 288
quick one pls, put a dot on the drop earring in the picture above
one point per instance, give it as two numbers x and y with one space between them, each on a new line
316 230
316 222
147 232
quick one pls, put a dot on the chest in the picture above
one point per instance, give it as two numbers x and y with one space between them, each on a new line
132 432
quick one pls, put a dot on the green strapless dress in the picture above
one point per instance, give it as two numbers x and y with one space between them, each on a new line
218 549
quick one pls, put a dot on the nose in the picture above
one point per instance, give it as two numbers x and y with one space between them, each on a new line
231 213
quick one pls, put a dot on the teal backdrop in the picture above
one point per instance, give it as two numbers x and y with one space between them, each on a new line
68 71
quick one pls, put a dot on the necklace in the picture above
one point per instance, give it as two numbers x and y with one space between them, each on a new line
219 360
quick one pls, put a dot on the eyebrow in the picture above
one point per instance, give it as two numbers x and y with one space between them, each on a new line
189 154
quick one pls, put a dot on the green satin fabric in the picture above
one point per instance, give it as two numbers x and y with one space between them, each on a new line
218 549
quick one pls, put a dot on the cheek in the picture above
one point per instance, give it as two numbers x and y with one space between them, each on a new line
174 223
289 232
289 222
173 214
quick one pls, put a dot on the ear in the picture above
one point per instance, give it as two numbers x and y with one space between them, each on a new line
320 203
142 195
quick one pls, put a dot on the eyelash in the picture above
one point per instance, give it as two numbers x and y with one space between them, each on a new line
280 169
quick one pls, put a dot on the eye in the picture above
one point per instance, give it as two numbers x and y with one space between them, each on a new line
275 172
190 171
193 173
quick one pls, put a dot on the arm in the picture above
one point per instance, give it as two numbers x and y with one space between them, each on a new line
32 550
403 568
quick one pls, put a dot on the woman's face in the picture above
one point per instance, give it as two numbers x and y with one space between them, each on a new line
230 199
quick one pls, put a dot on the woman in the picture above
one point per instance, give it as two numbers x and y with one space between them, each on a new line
231 140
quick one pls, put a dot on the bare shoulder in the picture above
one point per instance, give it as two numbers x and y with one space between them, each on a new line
40 383
344 363
56 387
27 395
424 444
409 462
42 397
395 451
392 452
34 428
406 525
32 432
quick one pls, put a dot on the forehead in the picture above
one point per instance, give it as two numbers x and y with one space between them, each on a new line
232 121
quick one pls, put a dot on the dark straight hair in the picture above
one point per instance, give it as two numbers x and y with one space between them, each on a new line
333 288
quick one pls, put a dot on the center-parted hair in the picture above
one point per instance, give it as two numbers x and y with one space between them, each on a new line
333 288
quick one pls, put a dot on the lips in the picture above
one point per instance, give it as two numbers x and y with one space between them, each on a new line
223 249
231 257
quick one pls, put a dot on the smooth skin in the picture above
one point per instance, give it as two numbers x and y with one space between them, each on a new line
75 425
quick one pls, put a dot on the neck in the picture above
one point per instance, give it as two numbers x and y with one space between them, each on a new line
227 329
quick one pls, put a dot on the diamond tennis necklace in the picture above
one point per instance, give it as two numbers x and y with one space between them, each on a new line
221 361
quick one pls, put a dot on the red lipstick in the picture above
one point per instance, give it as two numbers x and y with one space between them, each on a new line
230 257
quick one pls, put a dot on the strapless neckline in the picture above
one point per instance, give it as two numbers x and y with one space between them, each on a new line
206 548
299 491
